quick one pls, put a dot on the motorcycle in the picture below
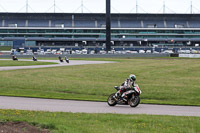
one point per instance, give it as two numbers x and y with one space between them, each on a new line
131 97
34 58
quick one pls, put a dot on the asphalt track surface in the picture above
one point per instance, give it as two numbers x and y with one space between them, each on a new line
72 63
54 105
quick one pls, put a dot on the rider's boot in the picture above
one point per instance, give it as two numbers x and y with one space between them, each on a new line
124 97
117 96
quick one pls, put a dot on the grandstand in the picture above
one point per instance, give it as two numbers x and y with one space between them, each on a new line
79 30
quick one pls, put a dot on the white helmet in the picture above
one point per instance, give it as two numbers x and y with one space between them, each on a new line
132 77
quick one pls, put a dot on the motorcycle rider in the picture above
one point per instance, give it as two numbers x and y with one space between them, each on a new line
66 59
128 83
34 58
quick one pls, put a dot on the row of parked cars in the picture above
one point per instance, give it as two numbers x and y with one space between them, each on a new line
192 51
85 51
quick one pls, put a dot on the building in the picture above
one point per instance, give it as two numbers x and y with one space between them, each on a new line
86 30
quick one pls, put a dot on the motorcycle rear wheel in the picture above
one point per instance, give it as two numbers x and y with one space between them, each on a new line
111 101
134 101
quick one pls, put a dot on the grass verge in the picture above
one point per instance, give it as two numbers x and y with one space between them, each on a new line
162 80
22 63
5 48
104 123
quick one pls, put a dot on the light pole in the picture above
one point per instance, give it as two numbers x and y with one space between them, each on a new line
108 26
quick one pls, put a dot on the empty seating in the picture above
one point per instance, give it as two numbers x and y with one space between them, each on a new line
84 23
194 24
125 23
14 23
99 20
114 24
66 23
176 24
153 24
101 23
38 23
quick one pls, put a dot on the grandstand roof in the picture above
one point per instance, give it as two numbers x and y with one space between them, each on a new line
50 15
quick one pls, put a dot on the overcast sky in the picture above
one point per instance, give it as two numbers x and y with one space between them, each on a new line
98 6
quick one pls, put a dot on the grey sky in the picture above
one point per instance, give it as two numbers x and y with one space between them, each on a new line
98 6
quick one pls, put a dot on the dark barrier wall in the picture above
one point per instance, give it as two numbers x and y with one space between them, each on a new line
93 56
174 55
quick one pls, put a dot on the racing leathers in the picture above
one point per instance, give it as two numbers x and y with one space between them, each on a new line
128 83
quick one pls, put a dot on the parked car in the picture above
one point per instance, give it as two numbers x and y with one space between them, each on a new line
29 52
156 52
59 52
148 51
184 51
92 52
102 52
128 51
53 51
111 52
168 52
141 51
194 51
118 52
84 51
78 52
133 52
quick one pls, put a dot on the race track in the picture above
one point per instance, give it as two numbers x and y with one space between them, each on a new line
54 105
72 63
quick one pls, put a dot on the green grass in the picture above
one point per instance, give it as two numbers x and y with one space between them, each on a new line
104 123
22 63
5 48
162 80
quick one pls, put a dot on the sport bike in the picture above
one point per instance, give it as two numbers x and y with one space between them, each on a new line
130 97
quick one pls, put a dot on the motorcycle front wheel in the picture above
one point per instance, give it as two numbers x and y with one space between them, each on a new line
134 101
111 100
